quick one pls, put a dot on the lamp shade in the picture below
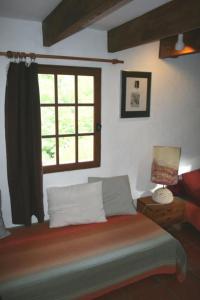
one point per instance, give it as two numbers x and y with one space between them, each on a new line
165 165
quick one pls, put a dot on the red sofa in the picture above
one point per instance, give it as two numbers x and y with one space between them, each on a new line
188 187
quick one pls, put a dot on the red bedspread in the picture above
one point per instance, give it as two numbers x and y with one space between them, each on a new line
76 261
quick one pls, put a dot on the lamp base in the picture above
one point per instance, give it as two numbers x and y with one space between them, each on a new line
163 196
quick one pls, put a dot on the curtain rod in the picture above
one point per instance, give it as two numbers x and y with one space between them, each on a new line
11 54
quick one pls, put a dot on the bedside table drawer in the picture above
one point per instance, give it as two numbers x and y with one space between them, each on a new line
157 209
168 220
163 214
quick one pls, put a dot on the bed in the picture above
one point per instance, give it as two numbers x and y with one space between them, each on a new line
85 261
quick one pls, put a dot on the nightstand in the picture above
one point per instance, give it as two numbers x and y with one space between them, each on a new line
163 214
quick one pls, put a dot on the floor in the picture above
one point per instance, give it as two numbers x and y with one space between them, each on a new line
166 287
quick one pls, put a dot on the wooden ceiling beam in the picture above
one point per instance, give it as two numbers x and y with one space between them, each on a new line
167 20
191 40
70 16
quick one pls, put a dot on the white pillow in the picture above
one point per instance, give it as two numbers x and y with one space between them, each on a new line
76 204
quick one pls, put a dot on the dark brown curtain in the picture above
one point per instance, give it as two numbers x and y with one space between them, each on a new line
23 143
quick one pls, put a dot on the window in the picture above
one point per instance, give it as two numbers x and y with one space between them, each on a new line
70 117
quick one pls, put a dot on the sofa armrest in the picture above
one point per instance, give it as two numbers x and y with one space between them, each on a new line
192 214
177 189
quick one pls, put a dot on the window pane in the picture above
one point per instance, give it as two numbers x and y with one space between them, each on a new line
85 148
70 101
67 150
48 120
66 88
85 89
48 151
46 86
66 119
85 119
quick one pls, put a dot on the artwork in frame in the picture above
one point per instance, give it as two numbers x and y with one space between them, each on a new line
135 94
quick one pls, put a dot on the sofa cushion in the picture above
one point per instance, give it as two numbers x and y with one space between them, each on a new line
191 181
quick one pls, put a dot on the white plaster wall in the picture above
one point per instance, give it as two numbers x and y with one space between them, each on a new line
126 143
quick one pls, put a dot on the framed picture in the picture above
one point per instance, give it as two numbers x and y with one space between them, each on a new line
135 94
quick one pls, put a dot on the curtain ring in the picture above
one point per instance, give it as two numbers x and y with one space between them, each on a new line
23 56
9 54
32 57
20 57
15 57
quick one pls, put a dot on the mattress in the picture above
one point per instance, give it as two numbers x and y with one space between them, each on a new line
85 261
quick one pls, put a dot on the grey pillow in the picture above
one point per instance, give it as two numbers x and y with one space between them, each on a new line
3 232
117 197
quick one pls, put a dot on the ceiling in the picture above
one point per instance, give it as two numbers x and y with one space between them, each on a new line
33 10
37 10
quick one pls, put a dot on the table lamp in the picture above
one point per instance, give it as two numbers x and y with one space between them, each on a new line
165 171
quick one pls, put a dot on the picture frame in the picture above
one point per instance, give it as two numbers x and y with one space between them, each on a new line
135 94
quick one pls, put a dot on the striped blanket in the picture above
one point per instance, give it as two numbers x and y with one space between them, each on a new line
85 261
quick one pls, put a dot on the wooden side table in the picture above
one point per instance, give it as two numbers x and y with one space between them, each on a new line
163 214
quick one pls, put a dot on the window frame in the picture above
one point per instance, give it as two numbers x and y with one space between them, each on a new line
71 70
